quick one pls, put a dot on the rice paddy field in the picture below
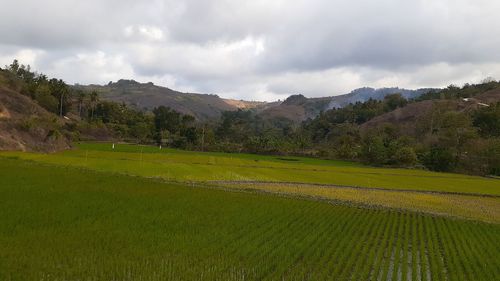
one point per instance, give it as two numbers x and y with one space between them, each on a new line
186 166
140 213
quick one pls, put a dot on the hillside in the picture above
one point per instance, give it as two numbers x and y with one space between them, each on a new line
406 117
295 108
298 108
366 93
26 126
148 96
205 107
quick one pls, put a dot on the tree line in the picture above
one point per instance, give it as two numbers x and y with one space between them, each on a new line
443 139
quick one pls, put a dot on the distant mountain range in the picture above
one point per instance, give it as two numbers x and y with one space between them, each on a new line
209 106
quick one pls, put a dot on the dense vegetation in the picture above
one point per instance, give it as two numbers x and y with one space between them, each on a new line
102 226
455 92
443 139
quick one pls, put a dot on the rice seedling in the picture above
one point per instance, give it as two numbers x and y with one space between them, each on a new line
61 222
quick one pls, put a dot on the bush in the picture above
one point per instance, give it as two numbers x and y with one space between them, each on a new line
405 156
47 101
54 135
438 159
374 150
26 124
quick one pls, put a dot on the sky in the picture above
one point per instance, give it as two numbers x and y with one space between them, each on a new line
256 49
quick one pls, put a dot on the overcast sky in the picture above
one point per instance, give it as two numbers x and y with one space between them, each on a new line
256 49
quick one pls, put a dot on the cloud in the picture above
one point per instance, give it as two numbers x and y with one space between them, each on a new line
213 59
144 32
24 55
256 49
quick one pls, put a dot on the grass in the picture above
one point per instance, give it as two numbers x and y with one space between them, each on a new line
63 223
465 206
184 166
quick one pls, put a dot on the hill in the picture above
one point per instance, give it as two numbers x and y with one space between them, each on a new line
407 116
366 93
204 107
24 125
148 96
298 108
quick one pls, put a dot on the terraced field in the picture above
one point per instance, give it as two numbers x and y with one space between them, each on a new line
61 222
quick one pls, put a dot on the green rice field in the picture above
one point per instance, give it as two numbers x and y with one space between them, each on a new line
185 166
137 213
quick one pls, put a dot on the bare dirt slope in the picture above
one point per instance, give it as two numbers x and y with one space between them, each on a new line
406 116
26 126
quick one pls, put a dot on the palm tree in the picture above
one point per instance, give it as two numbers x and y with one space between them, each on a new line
62 90
94 98
81 99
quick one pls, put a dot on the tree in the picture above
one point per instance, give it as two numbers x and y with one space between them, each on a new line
166 119
141 130
487 119
394 101
94 99
80 96
346 147
374 151
405 156
45 99
237 126
455 132
174 127
438 159
13 67
62 91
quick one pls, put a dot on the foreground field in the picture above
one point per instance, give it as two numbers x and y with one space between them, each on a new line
61 223
187 166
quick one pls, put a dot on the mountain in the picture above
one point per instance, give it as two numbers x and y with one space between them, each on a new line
148 96
298 108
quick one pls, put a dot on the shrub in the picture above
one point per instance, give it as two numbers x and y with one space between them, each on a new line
438 159
405 156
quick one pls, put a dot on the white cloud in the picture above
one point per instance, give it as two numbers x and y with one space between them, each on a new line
95 67
146 32
215 59
257 49
25 56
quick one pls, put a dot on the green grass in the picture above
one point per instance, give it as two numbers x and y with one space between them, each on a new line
178 165
468 206
62 223
105 146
